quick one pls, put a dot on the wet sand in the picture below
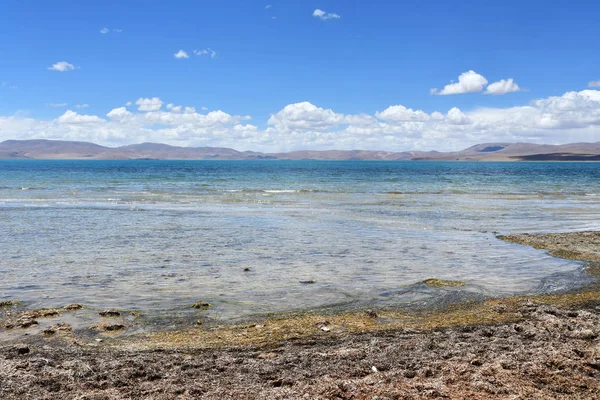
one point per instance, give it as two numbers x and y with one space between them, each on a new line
535 347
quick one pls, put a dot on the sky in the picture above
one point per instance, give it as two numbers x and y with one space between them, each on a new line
282 75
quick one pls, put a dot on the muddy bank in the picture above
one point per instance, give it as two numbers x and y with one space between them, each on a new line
536 347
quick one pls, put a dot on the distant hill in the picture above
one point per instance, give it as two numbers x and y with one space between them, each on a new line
57 149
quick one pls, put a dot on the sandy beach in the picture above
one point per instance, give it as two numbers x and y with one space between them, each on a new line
528 347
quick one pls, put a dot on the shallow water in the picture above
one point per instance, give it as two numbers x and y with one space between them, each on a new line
160 235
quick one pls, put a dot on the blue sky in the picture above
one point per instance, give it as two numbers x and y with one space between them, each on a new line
301 74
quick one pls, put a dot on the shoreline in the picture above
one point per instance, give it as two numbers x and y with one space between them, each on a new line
543 346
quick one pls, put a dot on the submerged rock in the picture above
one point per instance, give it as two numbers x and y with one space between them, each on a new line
109 313
73 307
440 283
8 303
111 327
201 305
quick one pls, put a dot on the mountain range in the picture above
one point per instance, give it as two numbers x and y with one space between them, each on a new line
56 149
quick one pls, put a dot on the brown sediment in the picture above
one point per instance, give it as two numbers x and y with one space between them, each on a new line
523 347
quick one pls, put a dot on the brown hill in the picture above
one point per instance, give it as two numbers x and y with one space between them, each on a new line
56 149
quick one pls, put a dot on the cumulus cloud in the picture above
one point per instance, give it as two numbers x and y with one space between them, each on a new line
571 117
118 114
503 86
61 66
71 117
181 54
468 82
324 16
173 108
82 105
401 113
594 84
104 30
58 104
304 115
147 104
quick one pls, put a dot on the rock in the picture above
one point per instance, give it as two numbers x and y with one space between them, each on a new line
572 314
325 329
73 307
371 314
27 323
48 313
22 349
8 303
440 283
109 313
268 356
201 305
48 331
246 269
307 282
111 327
585 334
410 374
477 362
374 369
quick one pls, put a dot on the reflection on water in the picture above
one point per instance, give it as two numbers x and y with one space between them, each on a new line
163 234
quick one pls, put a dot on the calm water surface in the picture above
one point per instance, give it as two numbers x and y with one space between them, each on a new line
159 235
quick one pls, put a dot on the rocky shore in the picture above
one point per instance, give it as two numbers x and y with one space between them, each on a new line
536 347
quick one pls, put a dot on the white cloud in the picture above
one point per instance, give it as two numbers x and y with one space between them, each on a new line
304 115
173 108
181 54
593 84
147 104
502 87
401 113
71 117
189 110
118 114
58 104
82 105
324 15
8 85
62 66
129 104
207 51
268 6
105 30
571 117
468 82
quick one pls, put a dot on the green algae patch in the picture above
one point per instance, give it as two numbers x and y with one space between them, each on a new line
8 303
440 283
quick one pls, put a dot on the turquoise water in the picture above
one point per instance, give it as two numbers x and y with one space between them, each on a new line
159 235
